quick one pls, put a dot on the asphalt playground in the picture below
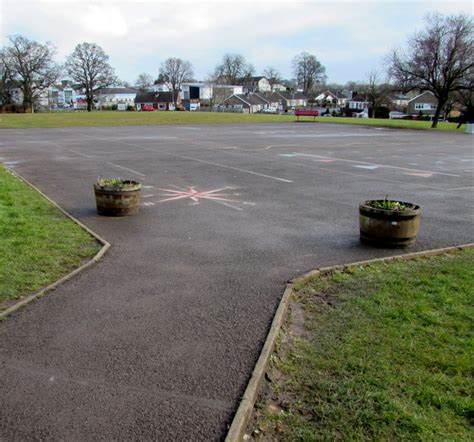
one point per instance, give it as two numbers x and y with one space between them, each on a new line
159 339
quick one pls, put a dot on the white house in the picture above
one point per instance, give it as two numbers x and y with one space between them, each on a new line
256 84
358 102
399 99
115 96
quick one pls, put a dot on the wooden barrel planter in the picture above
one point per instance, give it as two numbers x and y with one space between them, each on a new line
389 228
118 200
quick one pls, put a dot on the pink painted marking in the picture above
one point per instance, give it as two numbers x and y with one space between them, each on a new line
194 195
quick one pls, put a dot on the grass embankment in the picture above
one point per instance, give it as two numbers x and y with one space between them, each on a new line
38 244
114 118
381 353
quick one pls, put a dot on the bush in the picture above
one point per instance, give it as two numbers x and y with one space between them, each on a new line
382 112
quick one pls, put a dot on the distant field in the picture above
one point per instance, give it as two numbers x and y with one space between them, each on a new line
114 118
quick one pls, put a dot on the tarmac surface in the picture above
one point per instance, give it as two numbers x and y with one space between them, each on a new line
159 339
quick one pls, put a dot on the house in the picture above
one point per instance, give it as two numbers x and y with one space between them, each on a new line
56 96
277 86
196 95
399 99
62 95
256 84
425 104
205 91
357 103
159 100
246 103
327 98
331 99
288 100
342 97
114 96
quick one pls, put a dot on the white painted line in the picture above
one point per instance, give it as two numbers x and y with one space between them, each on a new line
420 174
230 167
462 188
279 145
126 168
217 164
80 154
227 205
365 167
373 164
370 177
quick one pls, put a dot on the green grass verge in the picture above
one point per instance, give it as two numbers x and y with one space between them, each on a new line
38 244
396 124
380 353
110 118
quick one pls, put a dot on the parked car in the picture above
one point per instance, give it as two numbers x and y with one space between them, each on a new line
148 108
396 114
360 114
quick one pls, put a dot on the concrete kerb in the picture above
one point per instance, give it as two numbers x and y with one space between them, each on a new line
54 285
244 412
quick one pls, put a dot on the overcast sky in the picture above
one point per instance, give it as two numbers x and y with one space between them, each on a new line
350 38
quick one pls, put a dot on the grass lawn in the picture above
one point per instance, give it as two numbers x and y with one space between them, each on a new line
110 118
38 244
400 124
380 353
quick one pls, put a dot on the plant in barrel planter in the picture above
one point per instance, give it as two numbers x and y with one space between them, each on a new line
389 223
117 197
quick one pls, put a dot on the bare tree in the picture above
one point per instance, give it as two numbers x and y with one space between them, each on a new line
175 72
5 95
273 76
438 59
31 66
374 90
218 94
89 66
308 71
122 83
144 82
233 69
